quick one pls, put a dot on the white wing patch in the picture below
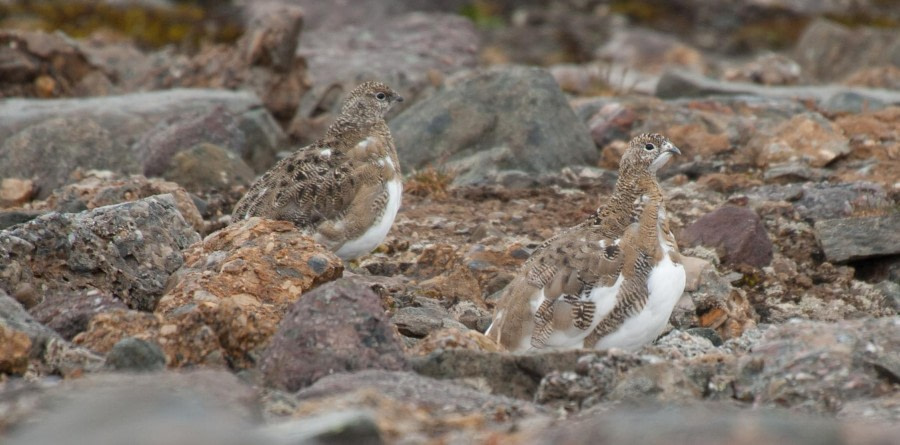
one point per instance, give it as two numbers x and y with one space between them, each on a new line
375 234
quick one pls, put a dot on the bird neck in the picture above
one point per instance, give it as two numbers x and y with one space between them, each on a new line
348 128
618 212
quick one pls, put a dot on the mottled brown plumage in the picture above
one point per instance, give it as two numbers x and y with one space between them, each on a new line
344 189
552 291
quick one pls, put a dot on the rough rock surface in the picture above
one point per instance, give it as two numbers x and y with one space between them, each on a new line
336 328
859 238
68 313
491 120
737 234
133 246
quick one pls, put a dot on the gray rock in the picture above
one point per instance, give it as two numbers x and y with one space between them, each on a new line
850 239
340 427
512 118
816 367
203 408
410 52
205 167
674 84
50 150
14 316
337 327
68 313
99 132
419 321
791 172
736 233
706 425
829 51
9 218
128 250
134 354
511 375
816 201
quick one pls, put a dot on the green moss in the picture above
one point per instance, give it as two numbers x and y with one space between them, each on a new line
483 13
185 24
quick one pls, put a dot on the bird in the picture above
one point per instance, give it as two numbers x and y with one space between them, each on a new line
585 286
343 190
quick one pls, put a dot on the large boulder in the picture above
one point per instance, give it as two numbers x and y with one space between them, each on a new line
737 233
513 118
128 249
48 139
338 327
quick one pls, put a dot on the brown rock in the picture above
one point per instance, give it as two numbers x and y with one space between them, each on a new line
338 327
14 350
15 192
736 233
242 279
444 275
452 338
650 51
103 188
692 269
696 140
807 137
68 313
206 167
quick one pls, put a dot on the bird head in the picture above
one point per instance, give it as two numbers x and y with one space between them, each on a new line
370 101
647 153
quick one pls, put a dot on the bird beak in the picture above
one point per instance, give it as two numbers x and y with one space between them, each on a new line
672 149
398 98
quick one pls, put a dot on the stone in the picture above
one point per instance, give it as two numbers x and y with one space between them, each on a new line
679 83
341 427
816 367
48 151
767 69
15 192
412 53
205 167
808 138
650 51
720 307
338 327
12 217
127 249
510 375
98 188
828 51
512 118
453 338
99 132
420 321
822 201
15 347
135 355
201 407
14 319
241 280
736 233
851 239
886 76
68 313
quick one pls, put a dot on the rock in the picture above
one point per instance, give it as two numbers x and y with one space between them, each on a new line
416 408
217 125
736 233
817 367
501 373
410 52
127 249
829 51
48 151
13 217
794 172
887 77
713 423
721 307
498 119
14 319
338 327
422 320
650 51
675 83
767 69
240 281
68 313
656 383
206 166
692 269
823 201
15 347
134 354
99 132
15 192
202 407
809 138
453 338
342 427
102 188
859 238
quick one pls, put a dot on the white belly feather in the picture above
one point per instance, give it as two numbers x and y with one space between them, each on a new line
379 230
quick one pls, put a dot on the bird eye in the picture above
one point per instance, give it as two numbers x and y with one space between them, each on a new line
649 147
380 96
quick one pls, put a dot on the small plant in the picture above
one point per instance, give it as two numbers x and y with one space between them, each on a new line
429 182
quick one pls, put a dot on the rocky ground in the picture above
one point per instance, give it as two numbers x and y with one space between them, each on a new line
129 302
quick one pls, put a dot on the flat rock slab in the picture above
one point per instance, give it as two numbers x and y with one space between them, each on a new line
851 239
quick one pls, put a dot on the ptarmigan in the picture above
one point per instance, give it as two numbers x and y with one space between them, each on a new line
583 287
345 189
